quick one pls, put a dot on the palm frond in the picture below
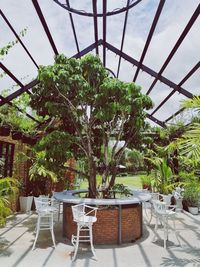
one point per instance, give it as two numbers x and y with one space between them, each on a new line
189 144
192 103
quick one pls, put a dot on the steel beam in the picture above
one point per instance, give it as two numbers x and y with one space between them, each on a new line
18 38
178 43
123 37
88 14
10 74
190 73
35 82
104 32
150 35
73 28
149 71
19 109
19 92
94 6
174 115
88 49
44 24
162 124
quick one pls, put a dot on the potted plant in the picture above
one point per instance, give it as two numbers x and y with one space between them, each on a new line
15 121
25 203
27 139
146 182
26 198
5 130
4 122
191 196
18 121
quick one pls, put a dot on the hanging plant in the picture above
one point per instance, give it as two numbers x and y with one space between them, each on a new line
16 135
5 130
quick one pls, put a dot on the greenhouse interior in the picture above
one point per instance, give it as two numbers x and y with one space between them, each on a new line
100 133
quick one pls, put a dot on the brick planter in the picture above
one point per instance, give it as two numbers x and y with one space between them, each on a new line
107 228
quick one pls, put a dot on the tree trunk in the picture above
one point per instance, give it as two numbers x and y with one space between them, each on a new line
92 179
112 180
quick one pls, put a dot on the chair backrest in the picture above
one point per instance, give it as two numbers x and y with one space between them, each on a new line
159 207
41 202
167 199
155 196
78 211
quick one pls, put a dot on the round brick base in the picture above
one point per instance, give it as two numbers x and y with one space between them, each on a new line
107 229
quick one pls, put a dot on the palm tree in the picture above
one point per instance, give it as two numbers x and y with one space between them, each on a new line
161 180
189 144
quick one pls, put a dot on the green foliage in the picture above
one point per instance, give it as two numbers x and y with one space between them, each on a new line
162 176
8 189
120 190
39 169
18 120
146 180
55 145
193 103
189 144
132 181
187 177
93 110
4 50
192 194
133 158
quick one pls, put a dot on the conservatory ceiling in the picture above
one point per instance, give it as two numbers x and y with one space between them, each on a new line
153 43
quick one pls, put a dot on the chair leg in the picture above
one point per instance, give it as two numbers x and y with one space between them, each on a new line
76 243
59 211
148 212
155 229
52 232
91 241
165 232
37 232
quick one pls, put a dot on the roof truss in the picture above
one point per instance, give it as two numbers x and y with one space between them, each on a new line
158 76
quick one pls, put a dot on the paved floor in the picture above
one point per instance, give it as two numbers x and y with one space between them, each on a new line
17 237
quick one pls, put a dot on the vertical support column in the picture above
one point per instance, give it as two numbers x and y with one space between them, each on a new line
94 5
120 225
64 218
141 218
104 32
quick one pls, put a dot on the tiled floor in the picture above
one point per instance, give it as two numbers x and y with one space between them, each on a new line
17 237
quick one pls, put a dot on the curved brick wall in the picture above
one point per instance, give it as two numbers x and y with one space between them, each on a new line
106 229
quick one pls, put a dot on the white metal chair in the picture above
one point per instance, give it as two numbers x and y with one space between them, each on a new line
45 217
148 207
58 205
84 216
163 214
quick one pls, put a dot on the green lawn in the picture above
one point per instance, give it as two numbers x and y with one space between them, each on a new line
132 181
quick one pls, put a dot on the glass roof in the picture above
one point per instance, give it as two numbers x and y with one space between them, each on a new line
154 43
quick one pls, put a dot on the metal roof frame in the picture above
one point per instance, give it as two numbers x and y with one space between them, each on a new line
158 76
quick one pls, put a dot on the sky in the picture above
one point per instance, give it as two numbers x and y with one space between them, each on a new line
175 16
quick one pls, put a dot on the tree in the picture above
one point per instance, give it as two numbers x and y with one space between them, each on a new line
89 110
134 159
